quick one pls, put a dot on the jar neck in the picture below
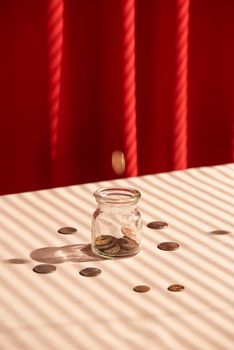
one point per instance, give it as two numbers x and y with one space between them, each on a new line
117 197
116 207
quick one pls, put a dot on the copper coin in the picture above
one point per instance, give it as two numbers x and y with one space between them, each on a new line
175 288
90 272
118 162
128 244
141 289
112 250
219 232
157 225
67 230
169 246
105 242
129 232
123 252
44 268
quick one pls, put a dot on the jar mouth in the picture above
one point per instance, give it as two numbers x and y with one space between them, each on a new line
117 195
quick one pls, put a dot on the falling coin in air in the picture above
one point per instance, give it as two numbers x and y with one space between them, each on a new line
44 268
67 230
169 246
118 162
176 288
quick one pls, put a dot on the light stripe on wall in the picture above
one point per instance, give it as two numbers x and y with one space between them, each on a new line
130 128
180 145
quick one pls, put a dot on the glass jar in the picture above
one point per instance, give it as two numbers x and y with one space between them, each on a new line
116 224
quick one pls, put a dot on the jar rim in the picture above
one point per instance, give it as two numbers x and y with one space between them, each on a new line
117 195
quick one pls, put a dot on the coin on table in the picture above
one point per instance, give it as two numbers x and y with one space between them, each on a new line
169 246
90 272
128 244
118 162
176 288
219 232
112 250
67 230
157 225
141 289
44 268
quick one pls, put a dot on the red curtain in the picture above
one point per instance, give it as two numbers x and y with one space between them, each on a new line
80 79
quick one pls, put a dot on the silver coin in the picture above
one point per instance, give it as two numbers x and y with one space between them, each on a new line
90 272
67 230
169 246
44 268
157 225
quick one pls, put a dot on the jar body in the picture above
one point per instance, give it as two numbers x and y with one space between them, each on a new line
116 224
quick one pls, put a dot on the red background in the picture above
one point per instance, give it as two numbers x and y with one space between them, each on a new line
91 115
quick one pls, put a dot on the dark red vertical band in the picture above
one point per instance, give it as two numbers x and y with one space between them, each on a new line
130 128
181 90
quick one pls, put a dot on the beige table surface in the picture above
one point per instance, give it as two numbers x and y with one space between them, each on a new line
64 310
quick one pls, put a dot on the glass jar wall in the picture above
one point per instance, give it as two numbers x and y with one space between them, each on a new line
116 224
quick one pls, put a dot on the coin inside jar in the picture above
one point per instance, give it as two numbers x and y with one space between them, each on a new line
44 268
105 242
169 246
112 250
141 289
176 288
128 232
67 230
128 244
90 272
157 225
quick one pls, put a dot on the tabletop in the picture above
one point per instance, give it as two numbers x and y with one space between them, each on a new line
65 310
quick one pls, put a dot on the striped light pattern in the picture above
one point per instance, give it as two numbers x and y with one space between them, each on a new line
181 90
130 129
64 310
55 37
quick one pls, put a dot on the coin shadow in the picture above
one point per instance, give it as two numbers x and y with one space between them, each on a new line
16 261
68 253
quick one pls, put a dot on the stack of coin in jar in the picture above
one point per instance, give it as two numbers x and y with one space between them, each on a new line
112 246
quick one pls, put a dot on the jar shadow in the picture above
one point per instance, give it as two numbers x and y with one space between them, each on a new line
68 253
